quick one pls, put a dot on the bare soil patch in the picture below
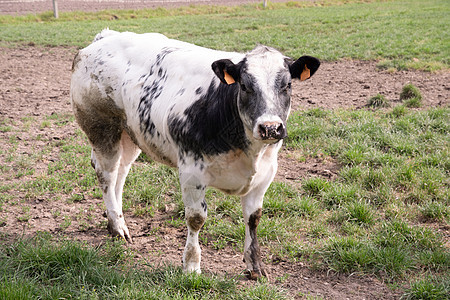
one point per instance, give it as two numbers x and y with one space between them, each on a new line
35 82
22 7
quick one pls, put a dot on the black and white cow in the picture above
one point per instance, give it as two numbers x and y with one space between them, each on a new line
219 117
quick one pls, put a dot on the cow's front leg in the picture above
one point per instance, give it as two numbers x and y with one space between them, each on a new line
195 211
252 210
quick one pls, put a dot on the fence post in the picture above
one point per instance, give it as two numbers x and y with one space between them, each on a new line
55 9
265 3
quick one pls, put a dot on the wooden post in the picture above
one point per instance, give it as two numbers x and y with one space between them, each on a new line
265 3
55 9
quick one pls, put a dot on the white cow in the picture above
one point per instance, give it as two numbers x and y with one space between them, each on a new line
219 117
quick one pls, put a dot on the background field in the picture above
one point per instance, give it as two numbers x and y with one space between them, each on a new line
359 209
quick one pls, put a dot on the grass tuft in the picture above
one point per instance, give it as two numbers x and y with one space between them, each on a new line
399 111
411 96
413 102
378 101
410 91
429 288
435 211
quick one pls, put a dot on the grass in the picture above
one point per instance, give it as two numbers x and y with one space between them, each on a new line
378 101
409 33
42 267
429 288
372 219
411 96
410 91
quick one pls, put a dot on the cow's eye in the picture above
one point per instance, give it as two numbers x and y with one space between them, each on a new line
246 88
287 87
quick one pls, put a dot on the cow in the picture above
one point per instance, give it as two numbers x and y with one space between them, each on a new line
219 117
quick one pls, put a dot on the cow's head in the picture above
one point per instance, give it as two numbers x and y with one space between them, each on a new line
264 77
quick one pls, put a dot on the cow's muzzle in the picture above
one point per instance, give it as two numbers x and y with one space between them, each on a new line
272 131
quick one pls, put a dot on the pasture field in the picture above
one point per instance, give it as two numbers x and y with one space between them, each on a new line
359 209
402 34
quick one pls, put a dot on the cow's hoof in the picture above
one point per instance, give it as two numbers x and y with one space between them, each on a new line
255 274
120 231
188 270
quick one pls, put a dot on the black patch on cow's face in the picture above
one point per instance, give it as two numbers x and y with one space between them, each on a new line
253 103
211 125
282 91
250 105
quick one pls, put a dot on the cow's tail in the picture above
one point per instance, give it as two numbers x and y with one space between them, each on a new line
104 33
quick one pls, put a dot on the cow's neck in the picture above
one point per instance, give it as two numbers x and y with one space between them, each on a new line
212 125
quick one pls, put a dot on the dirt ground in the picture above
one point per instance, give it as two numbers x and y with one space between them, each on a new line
22 7
35 82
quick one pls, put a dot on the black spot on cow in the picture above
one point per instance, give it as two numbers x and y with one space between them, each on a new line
152 89
255 252
198 91
195 222
162 55
212 124
181 92
200 187
204 205
251 96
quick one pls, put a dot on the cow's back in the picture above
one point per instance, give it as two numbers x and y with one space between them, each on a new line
138 81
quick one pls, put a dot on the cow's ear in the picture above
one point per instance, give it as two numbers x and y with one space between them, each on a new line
304 67
226 70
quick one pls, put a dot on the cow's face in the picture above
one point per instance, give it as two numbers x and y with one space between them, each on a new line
264 78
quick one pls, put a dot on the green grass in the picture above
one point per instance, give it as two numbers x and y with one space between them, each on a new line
378 101
429 288
408 32
44 268
385 191
410 91
373 218
411 96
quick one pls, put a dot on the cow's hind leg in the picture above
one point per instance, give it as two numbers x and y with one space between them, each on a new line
112 169
129 152
103 125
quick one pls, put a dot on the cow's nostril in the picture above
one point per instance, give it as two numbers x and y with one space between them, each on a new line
281 131
272 130
264 131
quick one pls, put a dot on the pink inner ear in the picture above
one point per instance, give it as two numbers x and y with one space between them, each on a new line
305 74
228 78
